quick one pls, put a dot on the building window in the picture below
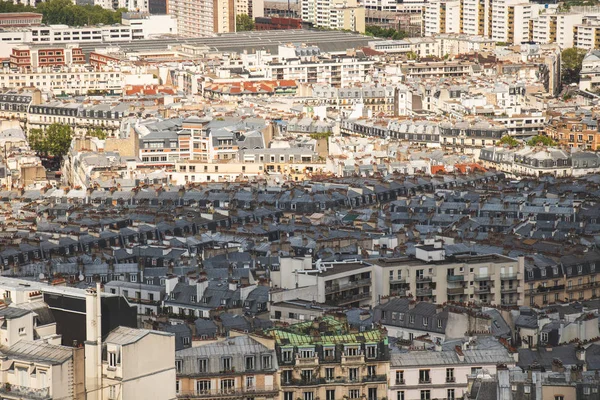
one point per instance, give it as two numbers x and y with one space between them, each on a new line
353 374
425 395
451 394
559 397
308 396
286 376
399 377
449 374
425 321
177 386
329 373
288 395
178 365
202 387
330 394
411 319
354 393
439 323
226 364
249 363
250 382
266 362
227 385
112 359
371 351
544 337
202 365
400 395
424 376
329 353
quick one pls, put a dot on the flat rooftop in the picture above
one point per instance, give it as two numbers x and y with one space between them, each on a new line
327 41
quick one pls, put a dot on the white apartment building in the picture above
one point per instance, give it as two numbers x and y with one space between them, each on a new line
150 25
334 14
443 374
203 17
587 34
252 8
75 80
442 16
475 19
555 28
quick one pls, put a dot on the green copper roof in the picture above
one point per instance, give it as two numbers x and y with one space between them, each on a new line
336 333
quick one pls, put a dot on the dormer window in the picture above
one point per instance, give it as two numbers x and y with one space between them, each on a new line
543 270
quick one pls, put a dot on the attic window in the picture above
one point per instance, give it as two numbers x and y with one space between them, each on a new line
223 302
543 270
579 269
193 298
204 300
592 267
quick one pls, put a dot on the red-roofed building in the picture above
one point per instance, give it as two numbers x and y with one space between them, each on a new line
258 88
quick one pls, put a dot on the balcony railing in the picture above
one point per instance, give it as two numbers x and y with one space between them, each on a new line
346 286
508 277
353 359
424 278
307 361
452 291
16 391
482 290
512 289
424 292
342 300
375 378
480 278
258 390
455 278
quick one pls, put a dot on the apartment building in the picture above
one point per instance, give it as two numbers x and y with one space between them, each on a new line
344 283
437 69
475 17
197 172
335 14
554 27
67 81
39 370
149 25
590 74
147 298
27 57
587 33
136 363
571 278
445 373
442 16
431 276
18 19
204 17
575 129
323 359
244 365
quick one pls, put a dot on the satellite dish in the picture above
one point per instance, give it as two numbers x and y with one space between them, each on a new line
42 276
81 277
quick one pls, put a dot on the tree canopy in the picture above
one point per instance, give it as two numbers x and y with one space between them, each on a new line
243 22
55 141
508 140
390 33
541 139
65 12
97 132
571 60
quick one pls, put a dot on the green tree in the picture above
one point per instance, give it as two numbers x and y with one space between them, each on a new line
55 141
571 60
508 140
243 22
97 132
388 33
541 139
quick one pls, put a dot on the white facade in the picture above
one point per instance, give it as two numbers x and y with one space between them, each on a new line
70 81
442 16
150 25
194 18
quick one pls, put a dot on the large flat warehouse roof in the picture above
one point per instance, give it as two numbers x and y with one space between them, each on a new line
327 41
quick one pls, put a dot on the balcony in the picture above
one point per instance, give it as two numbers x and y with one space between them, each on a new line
359 359
424 292
482 290
310 361
454 291
346 286
508 277
374 378
455 278
424 278
24 392
480 278
233 392
343 300
397 281
506 289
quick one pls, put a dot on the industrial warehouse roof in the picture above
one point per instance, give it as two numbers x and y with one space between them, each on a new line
327 41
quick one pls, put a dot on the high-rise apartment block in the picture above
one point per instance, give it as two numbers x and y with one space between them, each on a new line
335 14
203 17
